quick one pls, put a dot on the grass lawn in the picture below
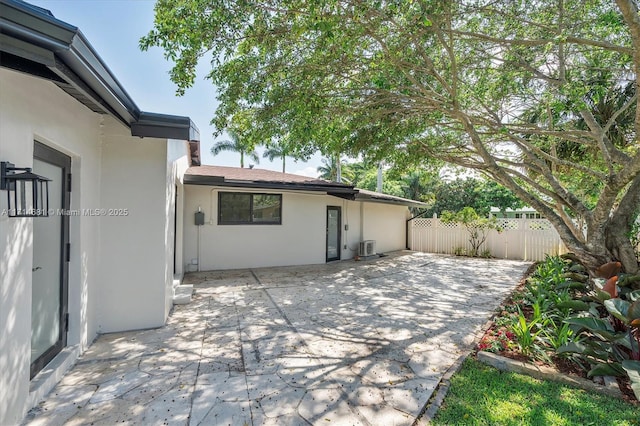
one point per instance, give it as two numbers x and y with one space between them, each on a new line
482 395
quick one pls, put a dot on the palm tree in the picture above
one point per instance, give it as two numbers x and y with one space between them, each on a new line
414 185
329 170
277 150
236 145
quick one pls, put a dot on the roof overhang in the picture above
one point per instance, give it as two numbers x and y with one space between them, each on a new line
165 126
342 191
347 192
33 41
388 199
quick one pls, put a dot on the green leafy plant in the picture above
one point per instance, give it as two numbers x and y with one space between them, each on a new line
558 335
460 251
610 337
526 334
600 346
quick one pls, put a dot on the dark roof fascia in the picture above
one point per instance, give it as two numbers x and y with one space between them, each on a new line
35 24
34 34
85 62
155 125
384 200
220 181
351 196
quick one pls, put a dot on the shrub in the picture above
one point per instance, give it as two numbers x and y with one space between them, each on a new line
476 226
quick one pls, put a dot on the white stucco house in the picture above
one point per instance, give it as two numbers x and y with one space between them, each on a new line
258 218
106 256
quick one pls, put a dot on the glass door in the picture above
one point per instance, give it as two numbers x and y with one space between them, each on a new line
50 264
333 233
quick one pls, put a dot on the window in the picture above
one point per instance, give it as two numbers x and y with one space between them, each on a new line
239 208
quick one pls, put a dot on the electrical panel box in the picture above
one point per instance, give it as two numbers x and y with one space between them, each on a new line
199 218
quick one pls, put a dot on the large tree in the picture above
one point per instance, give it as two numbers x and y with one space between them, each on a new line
454 80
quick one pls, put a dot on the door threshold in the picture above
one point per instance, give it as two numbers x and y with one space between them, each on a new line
51 374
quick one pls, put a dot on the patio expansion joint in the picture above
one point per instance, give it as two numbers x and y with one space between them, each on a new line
192 394
242 360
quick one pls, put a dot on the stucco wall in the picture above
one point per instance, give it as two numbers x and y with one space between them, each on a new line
386 224
33 109
134 271
176 164
299 240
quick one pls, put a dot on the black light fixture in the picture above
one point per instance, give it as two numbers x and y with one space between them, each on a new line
27 192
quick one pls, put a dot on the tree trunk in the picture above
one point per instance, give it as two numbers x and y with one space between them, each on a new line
619 225
619 244
589 259
606 245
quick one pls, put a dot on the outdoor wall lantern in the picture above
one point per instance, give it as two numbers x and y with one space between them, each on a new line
27 192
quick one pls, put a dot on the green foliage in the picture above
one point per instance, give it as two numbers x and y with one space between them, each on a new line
476 226
460 251
609 343
527 332
480 194
482 395
241 140
369 180
329 170
558 335
283 148
633 371
555 316
236 146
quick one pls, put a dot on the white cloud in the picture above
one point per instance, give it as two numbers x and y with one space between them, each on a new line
307 171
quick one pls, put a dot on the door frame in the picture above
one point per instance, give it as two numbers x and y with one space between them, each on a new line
49 155
338 257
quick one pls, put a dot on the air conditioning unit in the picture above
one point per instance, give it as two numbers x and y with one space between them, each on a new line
367 248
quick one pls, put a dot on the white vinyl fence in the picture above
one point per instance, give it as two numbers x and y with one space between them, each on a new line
524 239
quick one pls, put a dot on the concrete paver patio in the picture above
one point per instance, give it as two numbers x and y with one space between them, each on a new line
353 343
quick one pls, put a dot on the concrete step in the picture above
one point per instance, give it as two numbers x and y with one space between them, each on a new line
182 294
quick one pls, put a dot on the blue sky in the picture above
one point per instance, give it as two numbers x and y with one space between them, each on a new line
113 27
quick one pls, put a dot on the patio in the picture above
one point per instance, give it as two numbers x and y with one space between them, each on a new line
342 343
